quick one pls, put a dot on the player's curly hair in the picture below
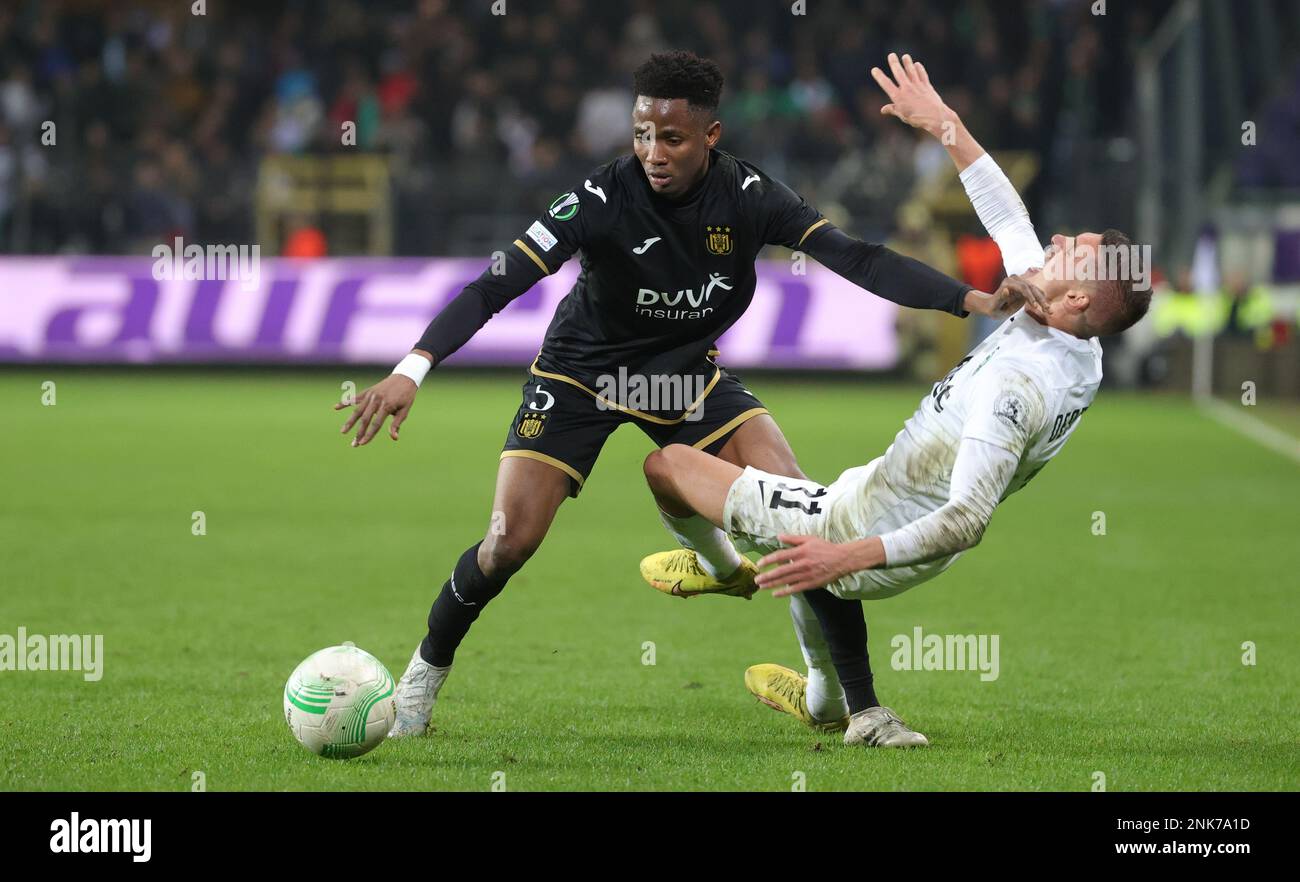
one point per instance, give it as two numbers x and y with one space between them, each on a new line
680 74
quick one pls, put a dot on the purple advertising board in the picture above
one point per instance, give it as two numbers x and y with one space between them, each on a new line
371 310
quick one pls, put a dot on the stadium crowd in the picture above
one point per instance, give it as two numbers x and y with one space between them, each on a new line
124 124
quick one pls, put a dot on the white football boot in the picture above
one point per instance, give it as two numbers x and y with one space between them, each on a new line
881 727
416 693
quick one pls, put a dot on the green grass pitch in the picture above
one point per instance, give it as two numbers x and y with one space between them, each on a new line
1119 653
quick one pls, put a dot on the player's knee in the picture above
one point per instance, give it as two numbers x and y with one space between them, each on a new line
678 456
503 555
655 469
661 465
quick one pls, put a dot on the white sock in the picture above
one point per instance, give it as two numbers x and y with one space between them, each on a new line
712 547
825 695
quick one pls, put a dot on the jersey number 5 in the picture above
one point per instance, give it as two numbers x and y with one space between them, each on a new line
550 399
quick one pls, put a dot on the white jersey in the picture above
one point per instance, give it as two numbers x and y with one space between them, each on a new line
980 435
1007 409
1022 389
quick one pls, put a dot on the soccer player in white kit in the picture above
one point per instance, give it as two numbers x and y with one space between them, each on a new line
983 432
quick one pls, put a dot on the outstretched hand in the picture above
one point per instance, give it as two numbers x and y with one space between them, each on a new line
911 97
392 395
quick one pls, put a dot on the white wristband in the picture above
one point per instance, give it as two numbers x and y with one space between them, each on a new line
413 366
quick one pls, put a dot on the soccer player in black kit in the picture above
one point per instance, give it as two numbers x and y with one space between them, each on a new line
668 237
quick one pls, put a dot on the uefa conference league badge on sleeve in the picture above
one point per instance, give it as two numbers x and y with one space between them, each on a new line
564 207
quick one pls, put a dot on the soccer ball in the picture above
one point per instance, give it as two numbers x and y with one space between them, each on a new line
339 702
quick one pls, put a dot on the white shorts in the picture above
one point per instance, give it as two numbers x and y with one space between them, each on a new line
761 506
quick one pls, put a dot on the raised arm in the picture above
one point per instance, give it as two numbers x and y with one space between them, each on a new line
916 102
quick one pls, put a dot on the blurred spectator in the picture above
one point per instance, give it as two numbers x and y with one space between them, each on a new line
305 240
1248 308
297 112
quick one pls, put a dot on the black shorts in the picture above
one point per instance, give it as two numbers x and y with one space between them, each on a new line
565 425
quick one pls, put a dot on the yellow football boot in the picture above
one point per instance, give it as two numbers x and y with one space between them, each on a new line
679 573
785 690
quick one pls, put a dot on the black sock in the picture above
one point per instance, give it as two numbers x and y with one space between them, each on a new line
456 607
845 629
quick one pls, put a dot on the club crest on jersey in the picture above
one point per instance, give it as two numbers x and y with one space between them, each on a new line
564 207
531 425
1010 407
718 239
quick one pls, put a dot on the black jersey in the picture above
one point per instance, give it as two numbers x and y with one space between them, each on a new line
662 279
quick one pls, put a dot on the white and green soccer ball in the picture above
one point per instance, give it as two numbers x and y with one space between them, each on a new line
339 702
